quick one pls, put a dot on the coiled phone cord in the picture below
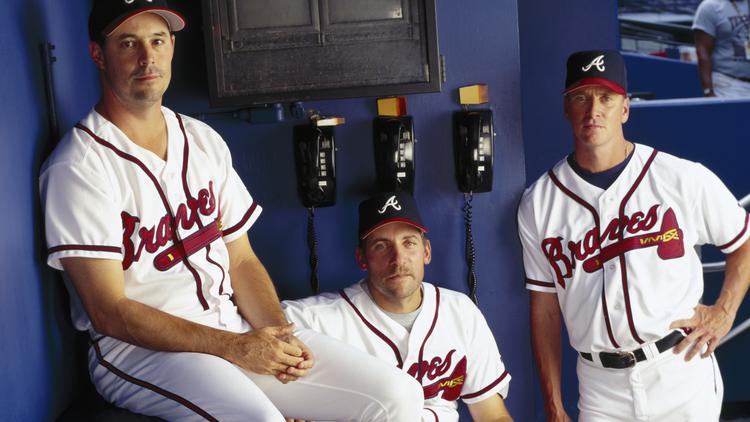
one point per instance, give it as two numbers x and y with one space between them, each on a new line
470 253
312 243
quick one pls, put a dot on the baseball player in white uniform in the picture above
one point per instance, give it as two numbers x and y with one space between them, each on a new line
436 335
608 240
148 219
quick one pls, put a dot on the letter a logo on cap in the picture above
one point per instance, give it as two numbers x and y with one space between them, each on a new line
391 202
598 62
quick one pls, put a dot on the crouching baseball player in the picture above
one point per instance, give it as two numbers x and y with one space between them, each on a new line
148 219
437 336
608 240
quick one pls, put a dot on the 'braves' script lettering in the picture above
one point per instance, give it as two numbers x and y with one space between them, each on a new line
154 237
563 256
450 385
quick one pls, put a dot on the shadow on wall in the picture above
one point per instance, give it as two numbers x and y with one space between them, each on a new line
41 351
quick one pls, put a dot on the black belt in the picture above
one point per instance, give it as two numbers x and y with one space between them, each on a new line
621 360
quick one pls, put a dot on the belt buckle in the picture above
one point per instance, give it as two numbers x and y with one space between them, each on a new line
628 359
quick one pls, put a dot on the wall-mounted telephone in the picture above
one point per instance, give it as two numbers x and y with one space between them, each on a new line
393 139
315 159
473 144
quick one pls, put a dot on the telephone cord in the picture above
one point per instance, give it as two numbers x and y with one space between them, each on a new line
470 252
312 243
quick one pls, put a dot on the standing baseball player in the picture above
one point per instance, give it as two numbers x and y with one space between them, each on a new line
608 239
436 335
147 218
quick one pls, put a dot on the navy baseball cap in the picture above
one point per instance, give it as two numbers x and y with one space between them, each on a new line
385 208
107 15
596 67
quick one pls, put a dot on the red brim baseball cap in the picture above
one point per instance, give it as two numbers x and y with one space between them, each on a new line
604 68
107 15
596 82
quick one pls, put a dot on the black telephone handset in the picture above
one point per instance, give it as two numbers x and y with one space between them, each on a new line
315 159
473 144
393 140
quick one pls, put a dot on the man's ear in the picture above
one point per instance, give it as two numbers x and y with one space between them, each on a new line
361 259
625 109
97 55
427 251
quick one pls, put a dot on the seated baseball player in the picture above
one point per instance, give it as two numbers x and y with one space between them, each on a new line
436 335
149 221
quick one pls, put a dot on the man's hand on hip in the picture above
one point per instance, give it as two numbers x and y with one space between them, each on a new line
707 327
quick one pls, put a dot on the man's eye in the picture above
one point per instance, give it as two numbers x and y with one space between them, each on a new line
158 42
128 44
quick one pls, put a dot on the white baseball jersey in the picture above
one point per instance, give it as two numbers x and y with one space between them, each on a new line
450 350
622 260
167 221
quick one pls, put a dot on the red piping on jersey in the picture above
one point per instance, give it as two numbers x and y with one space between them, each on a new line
576 198
223 273
242 222
147 385
94 248
593 212
429 332
736 238
185 161
540 283
374 330
172 220
607 322
487 388
433 414
623 263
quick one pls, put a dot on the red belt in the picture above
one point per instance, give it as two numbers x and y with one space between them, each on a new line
190 245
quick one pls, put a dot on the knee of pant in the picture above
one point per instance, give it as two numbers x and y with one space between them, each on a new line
403 393
234 412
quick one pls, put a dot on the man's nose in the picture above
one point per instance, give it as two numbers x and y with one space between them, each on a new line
397 255
146 56
594 107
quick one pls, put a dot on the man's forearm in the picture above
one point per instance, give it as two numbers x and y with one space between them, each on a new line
736 280
704 72
151 328
99 284
704 45
254 292
255 295
546 344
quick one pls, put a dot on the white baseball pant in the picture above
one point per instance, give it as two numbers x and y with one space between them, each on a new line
344 385
663 389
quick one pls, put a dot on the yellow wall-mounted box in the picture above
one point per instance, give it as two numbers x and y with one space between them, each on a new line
474 94
394 106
